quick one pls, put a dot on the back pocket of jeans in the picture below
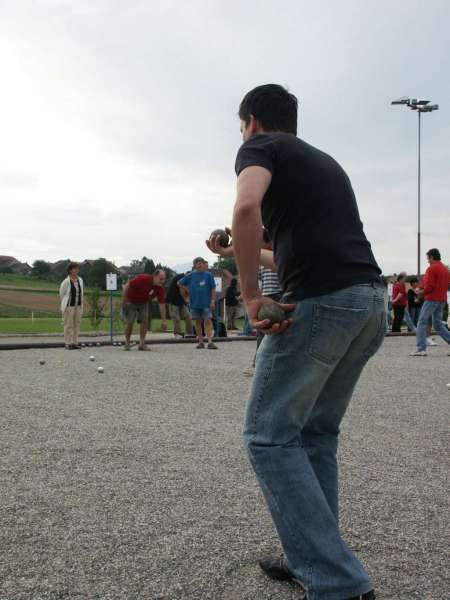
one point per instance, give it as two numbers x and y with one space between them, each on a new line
333 330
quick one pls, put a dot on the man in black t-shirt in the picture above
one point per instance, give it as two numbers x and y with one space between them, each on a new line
308 365
178 309
414 301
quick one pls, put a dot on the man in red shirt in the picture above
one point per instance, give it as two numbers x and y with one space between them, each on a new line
399 302
135 303
435 287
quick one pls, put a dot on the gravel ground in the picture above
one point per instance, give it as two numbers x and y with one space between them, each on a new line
133 484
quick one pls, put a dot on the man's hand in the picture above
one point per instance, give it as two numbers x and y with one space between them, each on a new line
215 247
253 305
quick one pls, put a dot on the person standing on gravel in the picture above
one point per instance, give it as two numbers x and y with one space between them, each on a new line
71 293
135 304
199 290
178 308
308 365
435 286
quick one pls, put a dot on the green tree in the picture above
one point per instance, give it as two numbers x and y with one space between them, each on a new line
226 263
96 307
41 269
96 276
149 266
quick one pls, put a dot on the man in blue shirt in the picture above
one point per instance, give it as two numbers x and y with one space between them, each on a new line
199 290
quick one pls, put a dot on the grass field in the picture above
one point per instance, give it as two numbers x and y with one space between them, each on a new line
55 325
22 282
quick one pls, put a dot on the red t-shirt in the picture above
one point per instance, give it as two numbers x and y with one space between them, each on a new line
141 289
436 282
399 288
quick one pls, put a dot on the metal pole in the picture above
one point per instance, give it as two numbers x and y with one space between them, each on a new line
111 316
418 199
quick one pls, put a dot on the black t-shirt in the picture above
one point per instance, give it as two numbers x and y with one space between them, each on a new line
231 296
311 215
412 297
173 293
75 293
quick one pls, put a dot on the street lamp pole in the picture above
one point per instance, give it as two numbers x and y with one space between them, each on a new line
418 196
421 106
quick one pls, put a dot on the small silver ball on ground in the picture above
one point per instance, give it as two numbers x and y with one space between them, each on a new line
42 361
98 344
90 345
448 386
100 369
83 345
224 238
92 358
273 312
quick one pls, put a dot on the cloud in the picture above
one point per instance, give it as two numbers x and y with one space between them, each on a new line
120 118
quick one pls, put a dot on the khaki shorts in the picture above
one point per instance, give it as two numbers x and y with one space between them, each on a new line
130 312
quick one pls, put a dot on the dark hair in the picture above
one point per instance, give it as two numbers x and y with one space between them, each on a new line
434 254
233 282
401 276
413 280
272 106
71 266
158 271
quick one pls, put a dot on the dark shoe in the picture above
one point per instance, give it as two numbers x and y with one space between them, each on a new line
76 347
69 347
200 346
212 346
276 568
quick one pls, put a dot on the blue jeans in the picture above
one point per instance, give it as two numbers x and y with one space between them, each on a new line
409 320
201 313
432 309
247 329
303 383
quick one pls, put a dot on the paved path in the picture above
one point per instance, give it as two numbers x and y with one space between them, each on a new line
133 484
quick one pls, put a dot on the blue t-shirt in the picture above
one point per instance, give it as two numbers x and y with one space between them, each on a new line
200 285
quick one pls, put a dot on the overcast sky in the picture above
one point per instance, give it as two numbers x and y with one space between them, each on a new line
118 119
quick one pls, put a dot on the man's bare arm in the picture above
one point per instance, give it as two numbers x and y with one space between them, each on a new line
184 291
252 184
265 260
125 294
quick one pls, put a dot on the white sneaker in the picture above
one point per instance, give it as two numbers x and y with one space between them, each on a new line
419 353
431 342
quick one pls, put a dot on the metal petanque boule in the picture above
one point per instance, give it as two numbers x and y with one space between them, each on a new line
224 238
272 312
92 358
101 370
42 361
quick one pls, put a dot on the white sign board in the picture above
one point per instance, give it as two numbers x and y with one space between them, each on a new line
111 282
390 288
218 281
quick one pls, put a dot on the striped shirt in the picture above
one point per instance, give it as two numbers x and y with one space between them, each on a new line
269 282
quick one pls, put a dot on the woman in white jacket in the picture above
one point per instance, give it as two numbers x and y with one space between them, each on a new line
71 294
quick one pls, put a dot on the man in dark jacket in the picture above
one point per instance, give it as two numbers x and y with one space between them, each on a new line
178 309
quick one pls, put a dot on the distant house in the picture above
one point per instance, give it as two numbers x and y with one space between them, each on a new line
10 264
